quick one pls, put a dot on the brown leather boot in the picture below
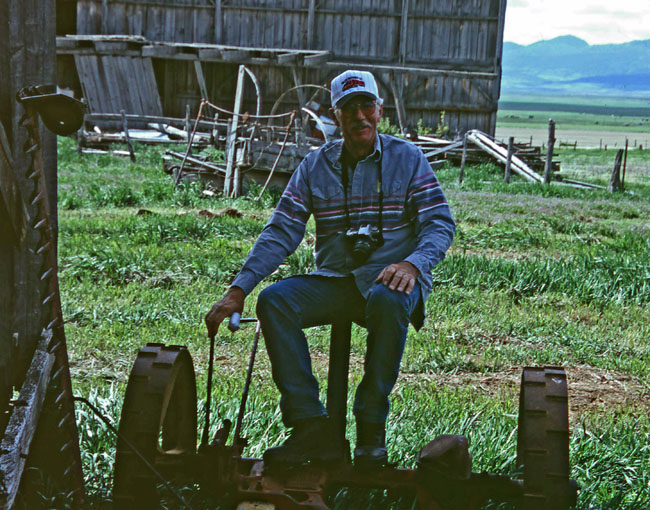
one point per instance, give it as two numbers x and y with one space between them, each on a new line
371 445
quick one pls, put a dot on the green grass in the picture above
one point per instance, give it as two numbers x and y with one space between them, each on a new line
536 276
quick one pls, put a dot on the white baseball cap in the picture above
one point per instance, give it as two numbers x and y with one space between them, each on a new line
350 83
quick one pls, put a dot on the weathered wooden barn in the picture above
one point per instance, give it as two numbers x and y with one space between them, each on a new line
429 57
39 450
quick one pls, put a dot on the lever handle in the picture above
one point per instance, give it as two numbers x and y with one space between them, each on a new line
233 323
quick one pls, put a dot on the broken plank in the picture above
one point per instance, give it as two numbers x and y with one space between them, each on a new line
21 428
196 161
500 153
318 59
234 55
442 150
159 51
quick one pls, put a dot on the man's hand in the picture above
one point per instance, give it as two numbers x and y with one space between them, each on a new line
400 277
232 302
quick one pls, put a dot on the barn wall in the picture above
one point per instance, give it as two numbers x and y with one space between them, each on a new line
463 35
28 58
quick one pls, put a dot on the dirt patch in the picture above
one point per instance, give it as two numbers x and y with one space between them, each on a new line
591 390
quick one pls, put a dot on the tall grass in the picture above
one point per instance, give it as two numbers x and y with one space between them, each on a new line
536 275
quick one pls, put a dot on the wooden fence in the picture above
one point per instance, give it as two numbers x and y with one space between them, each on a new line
411 45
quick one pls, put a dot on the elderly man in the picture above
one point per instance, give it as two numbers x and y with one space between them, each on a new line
382 224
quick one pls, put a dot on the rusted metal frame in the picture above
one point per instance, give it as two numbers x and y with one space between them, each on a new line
23 422
137 452
60 389
189 143
238 441
277 159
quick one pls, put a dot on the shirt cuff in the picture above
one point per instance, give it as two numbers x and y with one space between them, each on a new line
419 262
245 281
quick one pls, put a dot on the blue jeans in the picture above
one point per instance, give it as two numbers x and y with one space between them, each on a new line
288 306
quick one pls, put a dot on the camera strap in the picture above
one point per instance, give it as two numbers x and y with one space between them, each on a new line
380 189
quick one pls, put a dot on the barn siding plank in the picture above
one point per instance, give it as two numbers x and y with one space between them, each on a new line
370 30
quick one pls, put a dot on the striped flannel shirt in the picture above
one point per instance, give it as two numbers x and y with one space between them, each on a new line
417 224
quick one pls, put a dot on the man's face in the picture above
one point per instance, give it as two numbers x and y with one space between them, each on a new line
358 118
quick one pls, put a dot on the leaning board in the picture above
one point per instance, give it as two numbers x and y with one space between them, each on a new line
114 83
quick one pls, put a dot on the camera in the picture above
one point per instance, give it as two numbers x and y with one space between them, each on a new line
363 241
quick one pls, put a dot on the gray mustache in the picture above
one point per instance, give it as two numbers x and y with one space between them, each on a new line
361 124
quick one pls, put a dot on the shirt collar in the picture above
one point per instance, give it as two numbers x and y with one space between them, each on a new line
335 149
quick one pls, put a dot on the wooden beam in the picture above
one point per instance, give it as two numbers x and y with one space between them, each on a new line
198 69
20 430
518 166
399 104
235 55
318 59
230 188
159 51
287 58
210 54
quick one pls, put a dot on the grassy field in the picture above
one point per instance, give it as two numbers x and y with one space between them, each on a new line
589 121
536 276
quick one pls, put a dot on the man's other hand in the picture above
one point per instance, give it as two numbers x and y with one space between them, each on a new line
231 302
400 277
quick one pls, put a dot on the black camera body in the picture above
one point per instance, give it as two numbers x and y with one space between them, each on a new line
363 241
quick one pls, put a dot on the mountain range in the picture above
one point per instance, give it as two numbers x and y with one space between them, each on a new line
569 65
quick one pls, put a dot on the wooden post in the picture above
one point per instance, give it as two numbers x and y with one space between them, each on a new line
399 104
463 161
548 170
231 188
125 127
218 23
188 126
511 143
624 166
615 179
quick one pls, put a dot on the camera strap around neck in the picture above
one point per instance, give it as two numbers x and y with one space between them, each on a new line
345 177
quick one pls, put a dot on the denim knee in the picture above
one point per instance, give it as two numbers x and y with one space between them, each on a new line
385 303
268 300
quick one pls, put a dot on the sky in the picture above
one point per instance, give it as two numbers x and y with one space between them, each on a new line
595 21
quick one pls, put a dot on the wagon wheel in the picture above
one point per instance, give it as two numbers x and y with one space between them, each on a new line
543 440
158 417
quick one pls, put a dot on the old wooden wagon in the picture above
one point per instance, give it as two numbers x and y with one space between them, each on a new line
429 57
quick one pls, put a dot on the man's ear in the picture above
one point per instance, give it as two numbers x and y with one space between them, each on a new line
380 111
334 116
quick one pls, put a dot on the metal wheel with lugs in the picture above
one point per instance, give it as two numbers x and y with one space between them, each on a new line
158 418
543 440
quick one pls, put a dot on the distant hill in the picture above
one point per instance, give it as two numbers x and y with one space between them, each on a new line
569 65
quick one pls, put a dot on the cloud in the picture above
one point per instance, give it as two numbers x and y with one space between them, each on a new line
596 21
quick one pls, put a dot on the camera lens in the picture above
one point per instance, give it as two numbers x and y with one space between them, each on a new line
361 249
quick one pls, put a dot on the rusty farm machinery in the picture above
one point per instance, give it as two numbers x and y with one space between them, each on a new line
158 436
